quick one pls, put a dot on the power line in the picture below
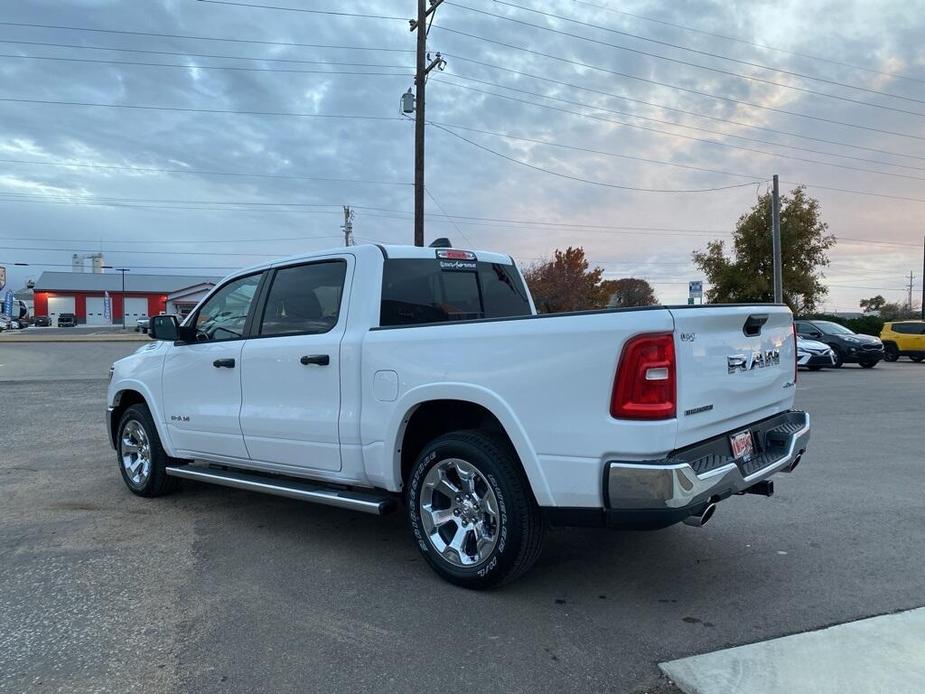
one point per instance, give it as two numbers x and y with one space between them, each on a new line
194 37
311 208
200 172
676 87
688 63
887 196
181 109
133 252
188 54
658 131
455 225
585 180
602 152
172 242
689 113
238 68
709 54
737 39
134 267
334 13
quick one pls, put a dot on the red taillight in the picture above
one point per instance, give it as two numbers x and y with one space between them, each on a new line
645 386
796 356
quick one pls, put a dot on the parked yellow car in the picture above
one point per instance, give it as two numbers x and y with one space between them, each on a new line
903 338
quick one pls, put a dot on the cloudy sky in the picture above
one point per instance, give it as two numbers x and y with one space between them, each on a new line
259 124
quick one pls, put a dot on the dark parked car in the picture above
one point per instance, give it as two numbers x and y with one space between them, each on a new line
42 322
849 347
67 320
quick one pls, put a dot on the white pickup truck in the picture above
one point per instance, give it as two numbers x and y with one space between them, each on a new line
376 377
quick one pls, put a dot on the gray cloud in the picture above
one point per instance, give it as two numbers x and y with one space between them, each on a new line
465 181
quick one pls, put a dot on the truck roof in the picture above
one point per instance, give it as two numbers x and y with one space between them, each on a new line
388 250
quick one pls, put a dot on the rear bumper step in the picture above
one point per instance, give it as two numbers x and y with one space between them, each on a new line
366 501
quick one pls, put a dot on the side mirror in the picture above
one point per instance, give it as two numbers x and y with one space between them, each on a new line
164 328
815 333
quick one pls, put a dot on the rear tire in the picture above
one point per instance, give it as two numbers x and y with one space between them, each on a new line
815 368
890 353
472 512
141 457
839 359
917 359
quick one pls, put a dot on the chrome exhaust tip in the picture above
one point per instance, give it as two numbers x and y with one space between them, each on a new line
793 465
702 519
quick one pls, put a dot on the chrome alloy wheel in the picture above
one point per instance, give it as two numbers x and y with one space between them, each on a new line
459 512
135 450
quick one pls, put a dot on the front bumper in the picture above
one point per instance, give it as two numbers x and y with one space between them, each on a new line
854 353
809 359
663 492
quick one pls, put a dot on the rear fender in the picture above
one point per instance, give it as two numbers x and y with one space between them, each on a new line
389 471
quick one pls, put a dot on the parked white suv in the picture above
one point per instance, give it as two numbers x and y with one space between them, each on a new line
372 377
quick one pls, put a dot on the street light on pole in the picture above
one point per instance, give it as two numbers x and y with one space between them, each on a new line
123 270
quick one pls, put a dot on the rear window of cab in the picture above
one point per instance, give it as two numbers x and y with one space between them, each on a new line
416 291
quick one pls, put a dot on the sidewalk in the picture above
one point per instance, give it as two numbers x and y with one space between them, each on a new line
880 655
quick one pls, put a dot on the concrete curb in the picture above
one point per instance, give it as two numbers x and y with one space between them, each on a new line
869 656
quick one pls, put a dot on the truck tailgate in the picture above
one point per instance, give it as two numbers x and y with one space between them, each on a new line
735 365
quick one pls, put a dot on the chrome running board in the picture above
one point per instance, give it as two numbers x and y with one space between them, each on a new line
367 501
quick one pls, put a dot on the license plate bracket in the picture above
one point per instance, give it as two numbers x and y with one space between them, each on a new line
743 445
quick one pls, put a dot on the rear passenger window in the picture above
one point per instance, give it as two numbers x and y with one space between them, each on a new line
909 328
416 291
304 300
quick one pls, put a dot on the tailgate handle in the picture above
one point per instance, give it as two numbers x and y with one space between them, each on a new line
753 324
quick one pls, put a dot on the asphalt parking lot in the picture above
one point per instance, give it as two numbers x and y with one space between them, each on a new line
213 589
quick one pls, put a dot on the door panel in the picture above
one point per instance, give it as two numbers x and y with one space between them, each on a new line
290 411
202 402
202 380
290 377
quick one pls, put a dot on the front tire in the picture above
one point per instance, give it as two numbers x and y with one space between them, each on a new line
839 359
141 457
471 511
868 364
890 353
917 359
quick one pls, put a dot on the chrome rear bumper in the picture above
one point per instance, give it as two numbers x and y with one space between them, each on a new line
706 472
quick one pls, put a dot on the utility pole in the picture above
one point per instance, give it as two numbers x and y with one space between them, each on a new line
775 243
123 270
348 226
923 278
911 284
420 79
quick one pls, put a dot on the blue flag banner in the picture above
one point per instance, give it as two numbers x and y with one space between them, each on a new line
8 303
107 307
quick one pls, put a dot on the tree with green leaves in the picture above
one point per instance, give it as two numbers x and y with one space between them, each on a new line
873 304
747 276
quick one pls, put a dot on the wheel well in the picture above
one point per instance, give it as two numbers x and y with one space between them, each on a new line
124 400
437 417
